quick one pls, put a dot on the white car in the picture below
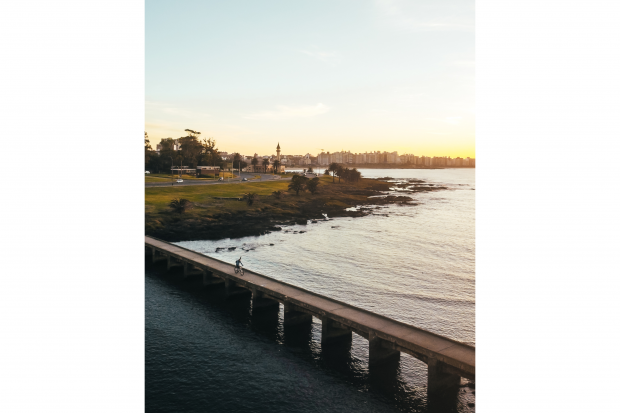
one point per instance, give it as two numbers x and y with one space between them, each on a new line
179 181
244 179
147 172
221 179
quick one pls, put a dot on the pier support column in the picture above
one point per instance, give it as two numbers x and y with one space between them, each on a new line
438 379
230 286
294 317
157 257
232 289
380 351
332 331
259 301
187 269
209 279
172 262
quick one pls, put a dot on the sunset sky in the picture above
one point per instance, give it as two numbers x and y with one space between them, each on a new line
357 75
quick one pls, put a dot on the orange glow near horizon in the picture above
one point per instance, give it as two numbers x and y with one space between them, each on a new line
455 147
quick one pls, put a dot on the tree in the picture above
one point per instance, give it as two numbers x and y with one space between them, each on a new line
277 194
180 205
312 185
298 183
147 148
310 169
210 155
355 175
237 161
350 175
276 166
346 175
155 162
326 172
333 167
191 147
167 151
265 164
250 198
254 162
339 172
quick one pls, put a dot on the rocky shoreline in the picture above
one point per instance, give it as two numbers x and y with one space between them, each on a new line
271 214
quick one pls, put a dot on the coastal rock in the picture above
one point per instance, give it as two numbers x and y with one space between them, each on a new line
331 202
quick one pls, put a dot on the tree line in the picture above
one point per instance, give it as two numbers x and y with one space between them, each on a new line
349 175
195 151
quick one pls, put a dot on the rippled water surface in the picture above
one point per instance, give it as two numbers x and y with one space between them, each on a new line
412 263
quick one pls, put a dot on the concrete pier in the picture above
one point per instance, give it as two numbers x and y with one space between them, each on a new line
261 301
158 256
332 331
174 262
189 270
380 351
233 290
438 377
448 360
294 317
208 279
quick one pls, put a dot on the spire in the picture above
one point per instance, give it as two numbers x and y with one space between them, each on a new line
278 145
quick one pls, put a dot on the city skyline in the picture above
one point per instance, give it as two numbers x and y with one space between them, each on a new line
346 157
330 75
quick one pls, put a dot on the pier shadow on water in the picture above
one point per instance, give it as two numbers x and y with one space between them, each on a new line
276 369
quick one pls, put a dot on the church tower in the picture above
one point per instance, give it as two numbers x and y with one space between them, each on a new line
278 151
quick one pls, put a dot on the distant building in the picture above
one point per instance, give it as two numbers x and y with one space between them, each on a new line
207 170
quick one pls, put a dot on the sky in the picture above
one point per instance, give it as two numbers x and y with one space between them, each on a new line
358 75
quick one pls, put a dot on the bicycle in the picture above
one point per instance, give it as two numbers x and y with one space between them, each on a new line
239 270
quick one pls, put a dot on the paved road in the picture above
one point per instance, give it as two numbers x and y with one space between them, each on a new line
189 182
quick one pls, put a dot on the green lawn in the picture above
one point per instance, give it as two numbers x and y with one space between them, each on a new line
157 199
152 178
206 210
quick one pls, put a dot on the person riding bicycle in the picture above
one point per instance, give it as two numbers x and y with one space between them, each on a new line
238 263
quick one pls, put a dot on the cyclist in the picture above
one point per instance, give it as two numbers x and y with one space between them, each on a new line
238 263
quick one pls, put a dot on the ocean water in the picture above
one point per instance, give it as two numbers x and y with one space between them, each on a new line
415 264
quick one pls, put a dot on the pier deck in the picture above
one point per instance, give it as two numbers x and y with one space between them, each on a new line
447 359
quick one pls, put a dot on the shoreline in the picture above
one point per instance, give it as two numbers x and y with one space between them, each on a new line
381 166
216 219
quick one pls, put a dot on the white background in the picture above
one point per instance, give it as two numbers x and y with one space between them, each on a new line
72 289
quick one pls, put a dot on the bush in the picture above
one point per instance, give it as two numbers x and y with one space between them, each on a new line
312 185
298 183
250 198
180 205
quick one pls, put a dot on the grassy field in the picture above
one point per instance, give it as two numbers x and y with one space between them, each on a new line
212 218
157 199
152 178
205 204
